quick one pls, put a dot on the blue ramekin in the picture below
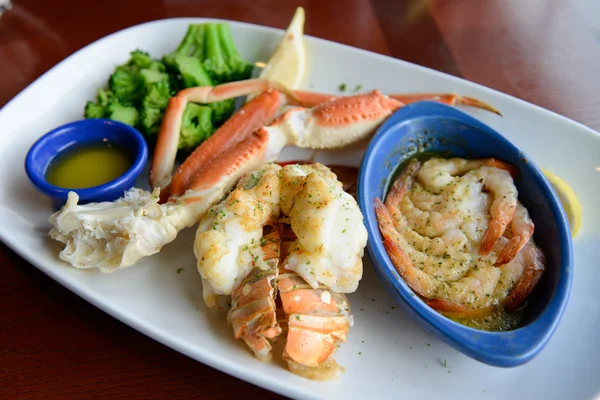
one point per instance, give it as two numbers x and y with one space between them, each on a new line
80 132
433 126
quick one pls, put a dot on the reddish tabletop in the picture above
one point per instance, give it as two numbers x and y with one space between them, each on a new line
55 345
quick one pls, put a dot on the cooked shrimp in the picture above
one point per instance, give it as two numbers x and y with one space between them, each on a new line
502 210
402 184
522 228
474 289
438 172
440 175
533 262
458 205
446 257
435 224
461 203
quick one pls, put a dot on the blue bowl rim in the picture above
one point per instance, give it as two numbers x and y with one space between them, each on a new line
138 164
548 319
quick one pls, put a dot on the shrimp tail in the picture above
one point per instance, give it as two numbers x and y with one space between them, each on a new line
522 227
511 249
494 162
399 258
402 184
494 231
532 272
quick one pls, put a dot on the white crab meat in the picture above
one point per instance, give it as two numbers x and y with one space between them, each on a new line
112 235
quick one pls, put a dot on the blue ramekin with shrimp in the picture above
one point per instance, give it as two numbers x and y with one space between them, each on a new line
466 233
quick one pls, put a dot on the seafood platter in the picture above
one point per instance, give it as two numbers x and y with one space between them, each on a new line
258 200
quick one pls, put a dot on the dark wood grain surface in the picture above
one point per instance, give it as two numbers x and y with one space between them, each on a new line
55 345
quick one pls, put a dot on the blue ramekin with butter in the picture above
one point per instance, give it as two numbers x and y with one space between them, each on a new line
99 159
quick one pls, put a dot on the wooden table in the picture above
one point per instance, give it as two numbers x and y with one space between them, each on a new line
55 345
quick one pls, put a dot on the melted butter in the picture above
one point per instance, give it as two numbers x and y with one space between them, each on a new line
499 320
86 166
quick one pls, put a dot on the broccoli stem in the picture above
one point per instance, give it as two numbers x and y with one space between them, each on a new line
226 41
215 62
239 68
189 41
185 46
199 37
192 45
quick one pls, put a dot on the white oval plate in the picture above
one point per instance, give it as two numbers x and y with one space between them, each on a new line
387 354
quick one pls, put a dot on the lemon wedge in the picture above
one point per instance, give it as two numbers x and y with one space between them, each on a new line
288 63
569 200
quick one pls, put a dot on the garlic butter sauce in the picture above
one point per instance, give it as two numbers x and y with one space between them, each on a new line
88 165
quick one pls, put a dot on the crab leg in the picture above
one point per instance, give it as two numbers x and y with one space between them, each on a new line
253 115
336 123
312 99
220 175
449 98
260 112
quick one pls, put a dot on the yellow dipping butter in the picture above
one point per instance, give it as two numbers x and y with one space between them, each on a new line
85 166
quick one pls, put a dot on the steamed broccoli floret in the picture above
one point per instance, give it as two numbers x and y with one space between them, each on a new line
139 90
239 68
212 44
107 105
98 109
192 72
104 97
192 45
93 110
214 54
196 126
222 110
141 60
155 100
119 112
129 80
153 107
126 86
149 77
